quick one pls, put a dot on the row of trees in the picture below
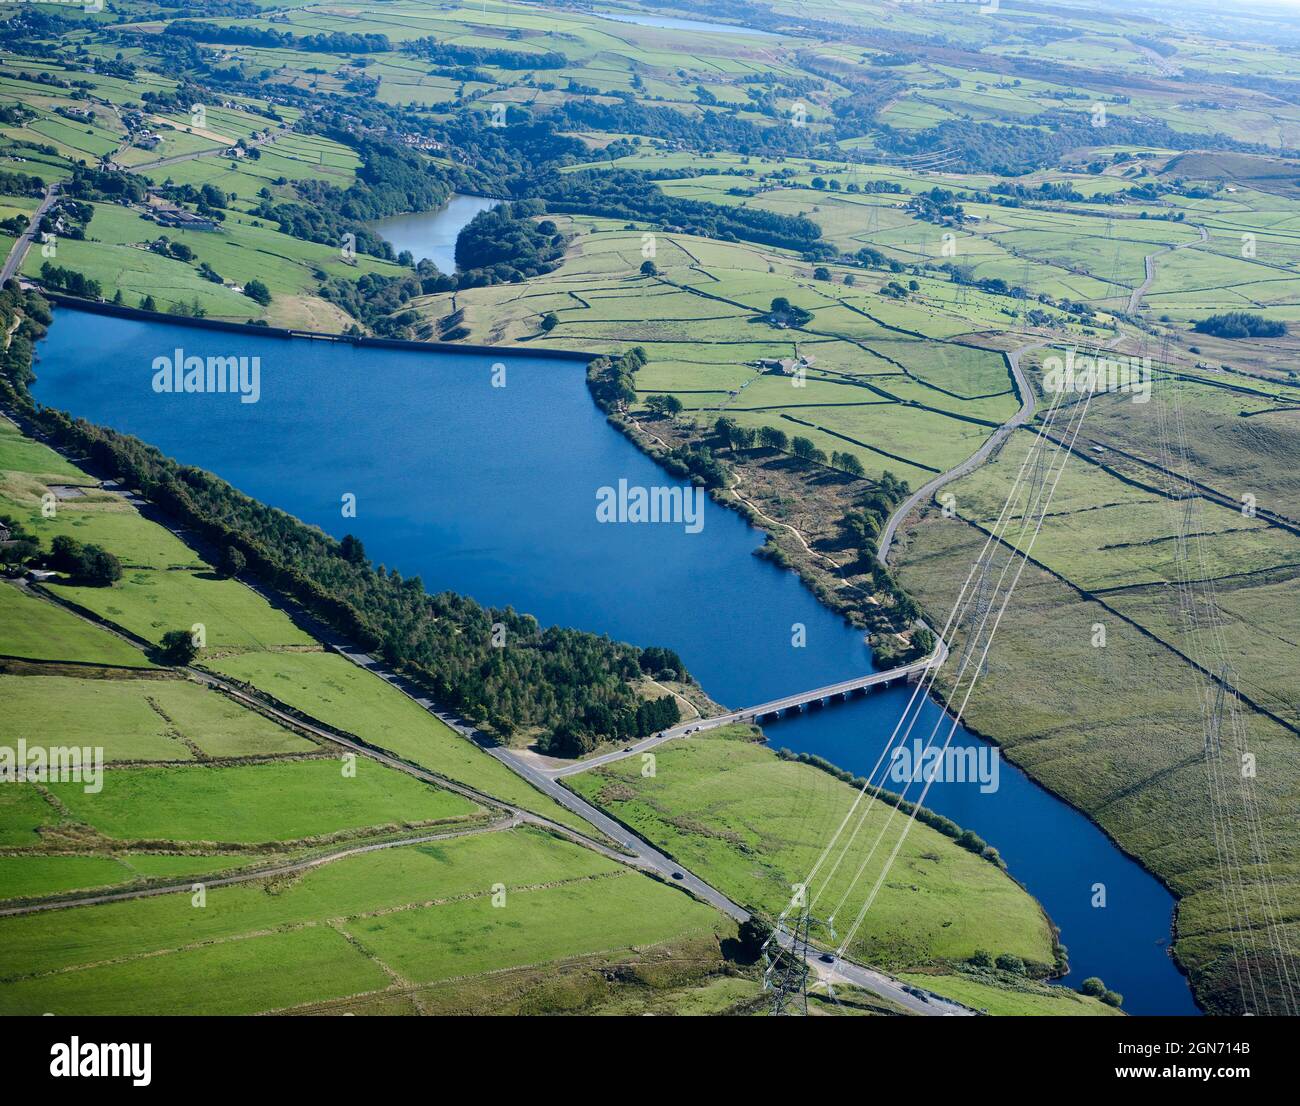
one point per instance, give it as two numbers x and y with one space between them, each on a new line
628 194
1040 141
72 281
452 53
733 436
333 42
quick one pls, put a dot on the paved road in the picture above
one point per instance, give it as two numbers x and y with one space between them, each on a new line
1135 300
19 249
927 490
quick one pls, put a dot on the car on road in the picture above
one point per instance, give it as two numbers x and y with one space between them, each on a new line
678 875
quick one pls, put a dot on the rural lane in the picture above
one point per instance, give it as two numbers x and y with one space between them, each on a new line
20 247
1135 300
972 462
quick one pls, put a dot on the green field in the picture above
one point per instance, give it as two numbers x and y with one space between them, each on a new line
753 825
135 720
550 913
250 804
1003 996
32 629
33 876
327 686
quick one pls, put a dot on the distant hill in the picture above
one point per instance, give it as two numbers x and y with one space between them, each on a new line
1276 176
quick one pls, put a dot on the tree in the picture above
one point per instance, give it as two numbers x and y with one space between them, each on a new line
772 438
649 268
258 292
1092 986
753 934
100 567
178 648
802 448
784 313
848 462
664 405
821 273
351 550
550 321
87 563
1009 963
233 561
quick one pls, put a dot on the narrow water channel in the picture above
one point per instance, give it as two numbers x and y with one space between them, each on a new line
491 492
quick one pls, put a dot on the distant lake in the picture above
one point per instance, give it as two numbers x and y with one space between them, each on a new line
672 24
432 234
491 492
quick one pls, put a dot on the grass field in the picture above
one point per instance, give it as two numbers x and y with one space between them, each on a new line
1004 996
753 825
211 959
231 978
34 876
136 720
1133 706
250 804
327 686
42 631
150 602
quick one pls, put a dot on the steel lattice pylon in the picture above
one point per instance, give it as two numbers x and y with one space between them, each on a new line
979 610
785 972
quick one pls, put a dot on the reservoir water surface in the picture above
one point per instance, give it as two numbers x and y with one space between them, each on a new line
491 492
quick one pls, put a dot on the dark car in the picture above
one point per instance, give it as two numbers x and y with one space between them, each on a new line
678 875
